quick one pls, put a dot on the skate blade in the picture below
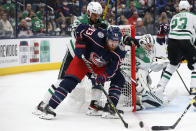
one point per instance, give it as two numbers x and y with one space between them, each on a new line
107 115
46 116
93 113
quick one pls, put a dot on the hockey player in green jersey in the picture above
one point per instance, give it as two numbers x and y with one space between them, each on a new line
146 61
180 45
94 11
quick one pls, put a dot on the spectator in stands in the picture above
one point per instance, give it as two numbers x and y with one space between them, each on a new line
142 8
37 25
140 28
1 10
83 10
148 23
8 5
133 19
74 7
40 12
129 9
53 24
163 30
28 11
23 30
161 5
28 23
123 20
50 27
7 27
176 6
120 10
169 9
63 10
102 2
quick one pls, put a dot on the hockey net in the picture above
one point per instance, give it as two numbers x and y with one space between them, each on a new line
128 93
128 69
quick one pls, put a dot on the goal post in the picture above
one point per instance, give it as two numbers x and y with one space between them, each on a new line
128 96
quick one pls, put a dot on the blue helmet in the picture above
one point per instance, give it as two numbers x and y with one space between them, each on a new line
114 33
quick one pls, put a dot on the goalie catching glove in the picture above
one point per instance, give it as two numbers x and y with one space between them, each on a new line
127 40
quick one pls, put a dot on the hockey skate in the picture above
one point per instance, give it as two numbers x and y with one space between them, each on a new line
109 113
94 109
39 108
193 91
47 113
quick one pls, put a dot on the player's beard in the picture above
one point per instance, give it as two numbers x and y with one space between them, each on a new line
111 46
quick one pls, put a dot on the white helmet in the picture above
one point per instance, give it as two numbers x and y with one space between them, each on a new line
184 5
94 7
147 42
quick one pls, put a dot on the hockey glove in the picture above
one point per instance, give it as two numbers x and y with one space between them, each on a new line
101 78
127 40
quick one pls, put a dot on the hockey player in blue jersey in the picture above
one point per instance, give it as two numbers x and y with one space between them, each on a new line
94 11
104 52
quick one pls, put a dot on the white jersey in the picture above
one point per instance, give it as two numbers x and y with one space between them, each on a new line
183 26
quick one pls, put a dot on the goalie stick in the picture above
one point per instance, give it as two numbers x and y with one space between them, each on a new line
176 123
102 88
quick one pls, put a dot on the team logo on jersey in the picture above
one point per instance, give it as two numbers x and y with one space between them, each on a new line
100 34
97 60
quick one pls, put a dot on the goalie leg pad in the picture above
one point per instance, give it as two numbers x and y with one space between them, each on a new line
149 102
142 84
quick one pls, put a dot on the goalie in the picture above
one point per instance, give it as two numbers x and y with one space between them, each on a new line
145 63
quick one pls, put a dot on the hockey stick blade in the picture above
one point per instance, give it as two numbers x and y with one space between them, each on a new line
176 123
162 127
126 125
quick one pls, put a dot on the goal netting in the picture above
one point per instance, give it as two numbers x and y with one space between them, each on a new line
128 92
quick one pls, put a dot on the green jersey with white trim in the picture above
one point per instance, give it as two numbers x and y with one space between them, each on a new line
183 26
144 59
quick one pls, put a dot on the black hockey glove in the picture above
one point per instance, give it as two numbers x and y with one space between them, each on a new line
101 25
127 40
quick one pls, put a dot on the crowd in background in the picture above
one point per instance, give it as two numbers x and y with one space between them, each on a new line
31 16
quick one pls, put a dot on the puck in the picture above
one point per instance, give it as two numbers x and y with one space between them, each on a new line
141 124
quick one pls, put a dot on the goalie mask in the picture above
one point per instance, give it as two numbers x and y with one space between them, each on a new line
113 37
147 42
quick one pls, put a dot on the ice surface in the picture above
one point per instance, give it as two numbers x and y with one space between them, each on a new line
19 94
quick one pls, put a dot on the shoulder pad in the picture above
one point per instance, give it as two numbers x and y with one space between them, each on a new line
80 29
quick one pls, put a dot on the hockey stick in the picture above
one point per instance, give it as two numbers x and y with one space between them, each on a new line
105 10
102 88
183 81
176 123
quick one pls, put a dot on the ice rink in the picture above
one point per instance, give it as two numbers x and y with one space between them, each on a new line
19 94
